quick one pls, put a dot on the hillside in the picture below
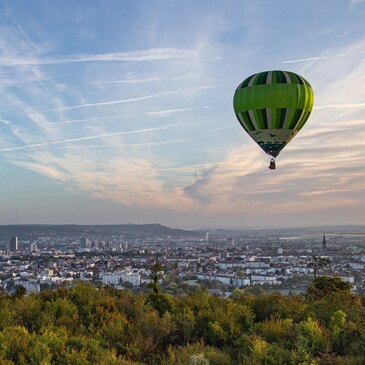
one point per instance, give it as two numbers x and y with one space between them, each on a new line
88 325
27 232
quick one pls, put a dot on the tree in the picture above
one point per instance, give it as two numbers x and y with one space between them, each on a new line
318 263
127 285
327 295
155 276
19 291
324 285
157 300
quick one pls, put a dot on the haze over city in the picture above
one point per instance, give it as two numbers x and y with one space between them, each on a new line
118 112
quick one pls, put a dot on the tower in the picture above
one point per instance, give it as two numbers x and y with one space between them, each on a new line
14 244
85 245
324 243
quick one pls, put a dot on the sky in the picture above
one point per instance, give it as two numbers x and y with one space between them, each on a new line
120 111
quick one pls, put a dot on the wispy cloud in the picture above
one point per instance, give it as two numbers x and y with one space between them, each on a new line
68 146
354 3
44 170
340 106
88 138
133 81
132 100
157 54
170 111
319 58
113 180
72 121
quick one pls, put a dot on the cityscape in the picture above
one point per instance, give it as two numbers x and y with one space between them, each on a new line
285 260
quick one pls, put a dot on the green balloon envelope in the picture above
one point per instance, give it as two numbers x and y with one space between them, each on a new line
272 107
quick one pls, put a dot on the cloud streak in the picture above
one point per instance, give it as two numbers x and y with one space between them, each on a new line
74 121
169 111
157 54
320 58
88 138
134 81
340 106
46 145
132 100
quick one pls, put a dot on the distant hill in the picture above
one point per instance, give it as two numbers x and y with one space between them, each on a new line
28 232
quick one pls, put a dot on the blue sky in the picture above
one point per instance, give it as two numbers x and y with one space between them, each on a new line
121 111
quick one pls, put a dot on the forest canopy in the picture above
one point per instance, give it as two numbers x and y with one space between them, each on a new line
101 325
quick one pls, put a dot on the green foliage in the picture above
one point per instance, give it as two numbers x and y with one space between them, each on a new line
311 337
105 326
160 302
326 295
19 291
276 330
198 353
198 360
324 285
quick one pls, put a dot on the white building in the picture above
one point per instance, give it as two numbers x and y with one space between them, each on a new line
33 247
257 265
30 285
228 280
224 265
118 277
264 279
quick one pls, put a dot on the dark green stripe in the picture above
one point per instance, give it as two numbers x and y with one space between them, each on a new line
299 79
303 120
242 121
246 82
281 77
295 119
281 112
261 80
264 118
292 77
278 77
245 121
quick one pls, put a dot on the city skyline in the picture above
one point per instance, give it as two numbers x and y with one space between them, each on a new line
122 112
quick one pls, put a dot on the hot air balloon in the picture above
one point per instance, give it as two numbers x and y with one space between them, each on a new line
272 108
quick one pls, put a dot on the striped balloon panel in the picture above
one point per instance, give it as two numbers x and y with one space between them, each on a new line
272 118
273 101
273 77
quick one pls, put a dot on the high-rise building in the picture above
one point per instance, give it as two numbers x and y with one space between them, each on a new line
14 244
85 245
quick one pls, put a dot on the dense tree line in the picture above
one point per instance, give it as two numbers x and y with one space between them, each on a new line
101 325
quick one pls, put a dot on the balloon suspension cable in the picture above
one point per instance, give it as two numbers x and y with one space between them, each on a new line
272 165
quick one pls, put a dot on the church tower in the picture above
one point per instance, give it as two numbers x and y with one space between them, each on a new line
324 243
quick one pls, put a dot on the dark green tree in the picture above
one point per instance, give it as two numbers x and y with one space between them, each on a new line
157 300
155 276
318 263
